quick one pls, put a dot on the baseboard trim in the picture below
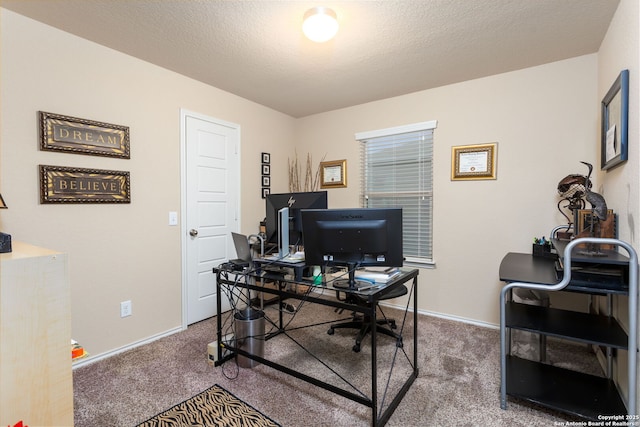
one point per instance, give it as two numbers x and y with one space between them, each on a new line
432 313
91 359
445 316
106 355
459 319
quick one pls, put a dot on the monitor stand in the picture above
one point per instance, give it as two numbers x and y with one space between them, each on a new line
283 233
351 283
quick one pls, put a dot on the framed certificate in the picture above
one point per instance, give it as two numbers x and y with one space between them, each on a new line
474 162
333 174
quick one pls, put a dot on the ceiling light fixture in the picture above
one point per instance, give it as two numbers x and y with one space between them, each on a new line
320 24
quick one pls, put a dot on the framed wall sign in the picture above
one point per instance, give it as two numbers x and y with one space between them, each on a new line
266 174
615 123
333 174
59 184
471 162
81 136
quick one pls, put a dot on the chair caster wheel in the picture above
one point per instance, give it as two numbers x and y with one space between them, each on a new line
356 348
330 331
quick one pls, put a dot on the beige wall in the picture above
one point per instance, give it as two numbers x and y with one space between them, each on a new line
620 50
544 120
116 252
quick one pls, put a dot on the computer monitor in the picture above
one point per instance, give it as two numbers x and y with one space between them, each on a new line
353 238
295 202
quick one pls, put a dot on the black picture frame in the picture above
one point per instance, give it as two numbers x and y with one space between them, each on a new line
266 158
266 170
265 192
266 181
615 123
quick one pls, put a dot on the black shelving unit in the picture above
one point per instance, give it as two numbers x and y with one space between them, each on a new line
583 395
575 393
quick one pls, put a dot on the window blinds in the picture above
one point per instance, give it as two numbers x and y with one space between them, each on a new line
397 171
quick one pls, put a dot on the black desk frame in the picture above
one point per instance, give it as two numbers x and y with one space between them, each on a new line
537 276
373 296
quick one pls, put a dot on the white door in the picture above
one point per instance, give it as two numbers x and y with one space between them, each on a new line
210 212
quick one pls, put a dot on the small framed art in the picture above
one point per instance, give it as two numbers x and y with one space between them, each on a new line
333 174
474 162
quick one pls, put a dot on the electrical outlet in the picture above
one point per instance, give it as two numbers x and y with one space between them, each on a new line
125 308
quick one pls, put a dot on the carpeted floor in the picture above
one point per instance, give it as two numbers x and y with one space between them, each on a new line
458 382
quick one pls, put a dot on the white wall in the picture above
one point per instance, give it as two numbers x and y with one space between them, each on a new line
116 252
544 120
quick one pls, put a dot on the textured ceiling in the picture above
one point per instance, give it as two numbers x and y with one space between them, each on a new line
256 49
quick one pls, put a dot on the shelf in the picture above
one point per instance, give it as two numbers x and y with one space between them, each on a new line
573 325
575 393
520 267
613 257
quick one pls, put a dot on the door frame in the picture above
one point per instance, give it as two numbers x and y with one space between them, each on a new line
184 113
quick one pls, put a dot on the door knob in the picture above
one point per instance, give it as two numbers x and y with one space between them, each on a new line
193 232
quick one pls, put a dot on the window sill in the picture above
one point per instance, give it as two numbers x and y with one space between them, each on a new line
427 264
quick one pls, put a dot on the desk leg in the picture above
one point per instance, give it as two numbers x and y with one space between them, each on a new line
415 325
374 364
218 316
281 286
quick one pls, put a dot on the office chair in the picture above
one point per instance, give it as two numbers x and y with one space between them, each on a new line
362 322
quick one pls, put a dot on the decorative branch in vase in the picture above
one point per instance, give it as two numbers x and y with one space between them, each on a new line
311 178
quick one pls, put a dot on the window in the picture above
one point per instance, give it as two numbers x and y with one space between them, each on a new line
397 171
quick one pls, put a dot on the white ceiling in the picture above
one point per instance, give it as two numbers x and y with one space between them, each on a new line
256 49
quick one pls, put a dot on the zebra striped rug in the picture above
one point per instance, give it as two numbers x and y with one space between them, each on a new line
214 407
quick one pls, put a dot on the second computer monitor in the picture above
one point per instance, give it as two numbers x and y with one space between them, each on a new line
295 202
353 238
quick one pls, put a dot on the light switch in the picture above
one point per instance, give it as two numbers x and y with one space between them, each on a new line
173 218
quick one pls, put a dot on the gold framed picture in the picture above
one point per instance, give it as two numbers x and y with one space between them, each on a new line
61 184
333 174
82 136
474 162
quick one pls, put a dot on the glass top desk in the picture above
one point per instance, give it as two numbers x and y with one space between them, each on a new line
321 359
